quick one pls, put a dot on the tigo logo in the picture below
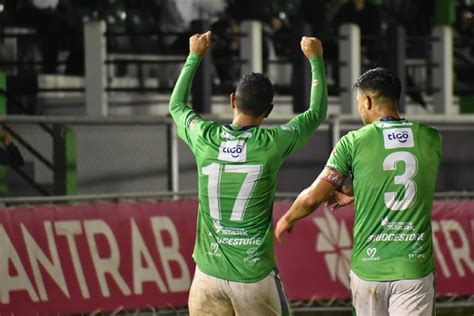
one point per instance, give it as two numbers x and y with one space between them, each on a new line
398 137
233 151
401 137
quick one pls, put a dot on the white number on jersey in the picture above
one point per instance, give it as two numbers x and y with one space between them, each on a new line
214 172
405 179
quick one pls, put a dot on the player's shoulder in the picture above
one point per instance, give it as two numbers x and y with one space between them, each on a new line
195 121
428 131
362 132
428 128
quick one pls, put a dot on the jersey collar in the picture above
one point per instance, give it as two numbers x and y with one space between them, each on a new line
391 118
239 128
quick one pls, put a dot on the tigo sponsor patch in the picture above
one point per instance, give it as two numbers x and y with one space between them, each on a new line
398 137
233 151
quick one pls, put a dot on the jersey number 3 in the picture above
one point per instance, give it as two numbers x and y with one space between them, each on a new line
214 172
405 179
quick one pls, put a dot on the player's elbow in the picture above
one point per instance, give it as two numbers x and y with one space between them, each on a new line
310 200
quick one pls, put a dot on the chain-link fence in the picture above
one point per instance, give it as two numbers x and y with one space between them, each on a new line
123 155
86 157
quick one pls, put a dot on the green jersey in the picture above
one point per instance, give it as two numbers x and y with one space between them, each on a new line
394 165
237 170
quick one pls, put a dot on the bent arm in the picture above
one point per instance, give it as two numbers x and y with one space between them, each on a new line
309 200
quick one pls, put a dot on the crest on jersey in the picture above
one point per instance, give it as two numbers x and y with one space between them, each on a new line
288 127
398 137
192 121
233 151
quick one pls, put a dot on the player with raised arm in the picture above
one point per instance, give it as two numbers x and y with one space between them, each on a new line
237 168
394 164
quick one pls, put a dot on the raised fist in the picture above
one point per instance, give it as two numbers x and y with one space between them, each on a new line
311 47
199 43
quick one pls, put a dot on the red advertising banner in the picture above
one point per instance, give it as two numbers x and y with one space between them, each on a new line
114 256
315 259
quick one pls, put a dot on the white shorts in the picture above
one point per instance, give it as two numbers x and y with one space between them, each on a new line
414 297
213 296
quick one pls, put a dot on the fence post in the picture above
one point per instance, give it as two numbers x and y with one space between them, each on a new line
202 88
64 158
3 111
349 69
301 73
396 59
442 55
96 69
251 47
173 158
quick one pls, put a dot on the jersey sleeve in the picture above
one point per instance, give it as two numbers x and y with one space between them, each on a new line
303 126
188 122
342 156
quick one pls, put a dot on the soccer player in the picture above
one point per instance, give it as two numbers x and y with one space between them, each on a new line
393 163
237 168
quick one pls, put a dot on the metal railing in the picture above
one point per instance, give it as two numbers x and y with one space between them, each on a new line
155 138
438 62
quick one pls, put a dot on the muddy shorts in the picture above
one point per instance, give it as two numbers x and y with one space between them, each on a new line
414 297
213 296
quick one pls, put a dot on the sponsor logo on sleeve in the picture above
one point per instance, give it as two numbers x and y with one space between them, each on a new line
233 151
398 137
192 121
288 127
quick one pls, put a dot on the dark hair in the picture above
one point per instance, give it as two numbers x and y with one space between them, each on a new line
382 82
254 94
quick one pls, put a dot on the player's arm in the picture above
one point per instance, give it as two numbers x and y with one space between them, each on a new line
180 111
323 188
307 122
310 199
341 197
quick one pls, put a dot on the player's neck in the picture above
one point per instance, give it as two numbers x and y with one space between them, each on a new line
242 119
388 114
385 111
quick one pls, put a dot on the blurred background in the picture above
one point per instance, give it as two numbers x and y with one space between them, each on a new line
85 86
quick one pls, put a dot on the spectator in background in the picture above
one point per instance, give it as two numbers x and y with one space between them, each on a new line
464 50
9 153
367 16
179 16
316 13
266 12
415 16
58 27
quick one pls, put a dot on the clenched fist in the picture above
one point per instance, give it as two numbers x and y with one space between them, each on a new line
311 47
199 43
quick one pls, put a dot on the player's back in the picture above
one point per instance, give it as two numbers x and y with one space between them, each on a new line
394 167
237 179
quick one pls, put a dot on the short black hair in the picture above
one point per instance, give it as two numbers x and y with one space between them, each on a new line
254 94
380 81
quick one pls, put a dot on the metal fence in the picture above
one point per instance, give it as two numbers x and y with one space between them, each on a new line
125 155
